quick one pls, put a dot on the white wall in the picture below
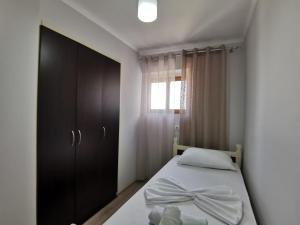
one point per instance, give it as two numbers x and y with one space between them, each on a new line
272 153
18 82
64 19
19 32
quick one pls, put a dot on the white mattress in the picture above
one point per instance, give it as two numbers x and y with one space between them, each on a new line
135 211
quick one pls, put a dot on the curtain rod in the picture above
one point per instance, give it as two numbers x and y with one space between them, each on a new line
192 51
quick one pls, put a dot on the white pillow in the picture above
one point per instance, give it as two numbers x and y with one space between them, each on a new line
206 158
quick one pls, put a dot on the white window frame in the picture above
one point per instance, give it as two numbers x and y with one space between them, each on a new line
168 81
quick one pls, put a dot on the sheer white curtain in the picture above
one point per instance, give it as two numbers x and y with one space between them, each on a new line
156 125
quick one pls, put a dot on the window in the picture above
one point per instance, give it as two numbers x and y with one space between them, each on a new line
174 95
158 95
166 95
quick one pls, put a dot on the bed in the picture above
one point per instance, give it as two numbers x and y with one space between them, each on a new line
135 211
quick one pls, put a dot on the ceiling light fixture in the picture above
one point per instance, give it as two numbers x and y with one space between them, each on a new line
147 10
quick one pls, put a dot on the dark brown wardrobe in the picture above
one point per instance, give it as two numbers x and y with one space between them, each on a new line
78 129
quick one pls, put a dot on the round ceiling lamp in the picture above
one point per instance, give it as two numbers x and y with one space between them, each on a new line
147 10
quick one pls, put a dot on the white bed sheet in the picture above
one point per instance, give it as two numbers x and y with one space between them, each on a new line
135 211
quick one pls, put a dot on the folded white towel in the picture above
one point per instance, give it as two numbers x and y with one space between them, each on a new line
158 214
219 201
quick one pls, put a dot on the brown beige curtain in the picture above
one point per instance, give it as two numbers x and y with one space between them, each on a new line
203 119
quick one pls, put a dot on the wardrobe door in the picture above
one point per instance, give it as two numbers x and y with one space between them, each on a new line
89 156
56 120
110 112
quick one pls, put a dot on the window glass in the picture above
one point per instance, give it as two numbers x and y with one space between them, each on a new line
174 98
158 95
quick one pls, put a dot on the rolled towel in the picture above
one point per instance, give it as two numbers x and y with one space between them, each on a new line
171 216
158 214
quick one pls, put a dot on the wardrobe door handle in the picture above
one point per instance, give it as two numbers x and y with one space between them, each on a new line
79 133
73 137
104 131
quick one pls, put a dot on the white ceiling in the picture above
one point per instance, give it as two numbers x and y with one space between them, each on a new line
179 21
